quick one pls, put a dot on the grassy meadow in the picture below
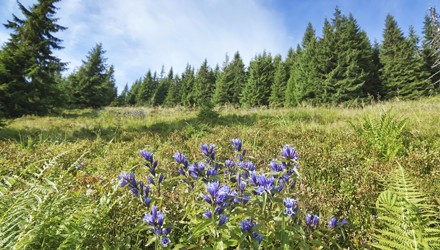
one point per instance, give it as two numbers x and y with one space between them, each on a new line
59 185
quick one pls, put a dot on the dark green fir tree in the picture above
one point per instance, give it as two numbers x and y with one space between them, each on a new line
28 67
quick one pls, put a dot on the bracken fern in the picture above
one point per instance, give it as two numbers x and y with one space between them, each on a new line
405 219
384 134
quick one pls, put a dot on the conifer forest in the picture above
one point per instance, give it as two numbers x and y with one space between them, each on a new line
334 146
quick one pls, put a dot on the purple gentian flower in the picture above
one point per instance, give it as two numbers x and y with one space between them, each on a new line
208 214
236 144
211 172
166 231
255 235
222 220
276 167
132 180
123 176
180 158
229 163
289 153
149 219
160 218
332 222
207 199
315 220
213 188
147 156
161 177
308 219
150 179
312 220
343 222
246 198
165 241
246 225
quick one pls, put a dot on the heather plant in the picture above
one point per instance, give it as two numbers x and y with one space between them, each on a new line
229 202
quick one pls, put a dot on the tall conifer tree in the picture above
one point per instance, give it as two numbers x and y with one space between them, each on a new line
401 74
28 67
256 92
204 85
93 85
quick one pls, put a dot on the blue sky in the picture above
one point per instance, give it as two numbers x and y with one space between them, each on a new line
145 34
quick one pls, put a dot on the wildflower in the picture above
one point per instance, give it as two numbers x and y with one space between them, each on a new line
343 222
289 153
236 144
222 220
291 207
132 180
276 167
246 198
229 163
201 166
123 176
258 236
332 222
165 241
208 214
150 179
280 185
211 172
207 199
181 172
312 220
193 171
161 177
213 188
208 151
147 156
180 158
247 225
219 209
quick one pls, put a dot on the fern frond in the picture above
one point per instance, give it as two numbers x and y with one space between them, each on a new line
405 219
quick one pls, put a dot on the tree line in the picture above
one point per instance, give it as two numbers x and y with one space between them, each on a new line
340 67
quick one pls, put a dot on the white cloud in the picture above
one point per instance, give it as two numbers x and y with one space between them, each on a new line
145 34
140 35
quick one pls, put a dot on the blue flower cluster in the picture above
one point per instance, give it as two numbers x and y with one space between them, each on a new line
136 187
199 169
312 220
242 181
220 196
334 222
248 226
155 219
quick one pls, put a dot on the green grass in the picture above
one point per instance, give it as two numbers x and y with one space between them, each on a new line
46 203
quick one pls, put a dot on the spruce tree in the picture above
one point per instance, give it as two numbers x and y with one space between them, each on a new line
256 92
303 83
204 85
161 92
353 69
28 67
122 99
93 85
186 93
429 51
173 98
402 74
133 92
278 89
146 90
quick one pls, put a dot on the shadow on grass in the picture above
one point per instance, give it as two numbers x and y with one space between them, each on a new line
187 127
